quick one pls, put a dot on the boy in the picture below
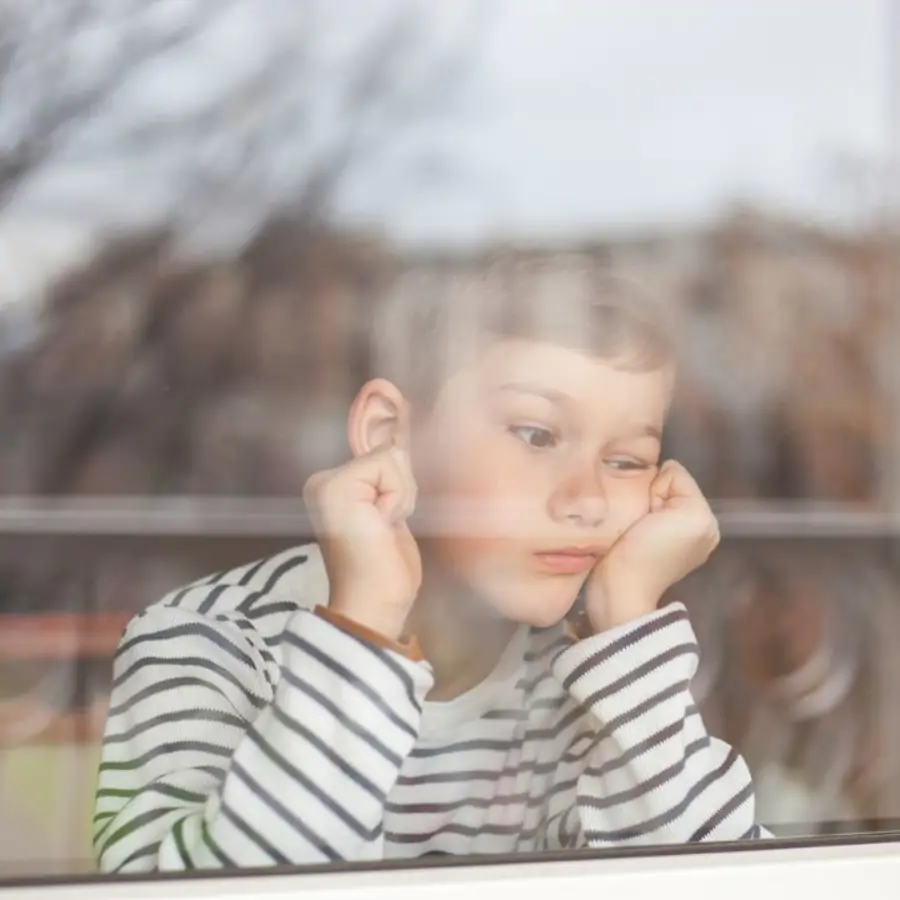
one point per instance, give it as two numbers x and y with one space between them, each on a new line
409 685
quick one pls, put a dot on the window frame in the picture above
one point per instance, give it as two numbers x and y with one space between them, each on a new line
829 868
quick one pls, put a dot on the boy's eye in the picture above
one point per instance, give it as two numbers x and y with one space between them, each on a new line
534 436
626 464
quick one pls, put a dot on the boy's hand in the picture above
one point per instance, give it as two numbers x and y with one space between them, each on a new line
676 536
360 513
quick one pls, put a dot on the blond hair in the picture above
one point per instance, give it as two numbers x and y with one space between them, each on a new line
434 318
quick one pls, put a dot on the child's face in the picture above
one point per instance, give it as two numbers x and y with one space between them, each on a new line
532 463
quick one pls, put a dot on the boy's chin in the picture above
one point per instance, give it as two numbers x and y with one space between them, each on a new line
539 613
541 620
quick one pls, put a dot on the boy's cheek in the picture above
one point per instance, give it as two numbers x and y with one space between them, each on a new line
479 501
510 590
630 505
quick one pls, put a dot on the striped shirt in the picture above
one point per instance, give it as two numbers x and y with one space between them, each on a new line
244 730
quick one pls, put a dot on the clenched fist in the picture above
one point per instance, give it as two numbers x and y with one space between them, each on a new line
678 535
360 512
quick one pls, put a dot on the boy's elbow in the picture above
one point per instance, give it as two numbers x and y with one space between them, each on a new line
148 841
143 860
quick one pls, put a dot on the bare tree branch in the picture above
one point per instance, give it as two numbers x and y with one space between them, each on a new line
385 95
40 72
224 153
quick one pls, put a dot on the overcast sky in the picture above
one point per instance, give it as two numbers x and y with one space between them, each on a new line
597 114
589 116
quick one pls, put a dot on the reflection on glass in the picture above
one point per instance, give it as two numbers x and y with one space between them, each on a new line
176 361
408 685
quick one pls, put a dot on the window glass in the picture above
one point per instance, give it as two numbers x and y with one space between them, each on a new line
445 431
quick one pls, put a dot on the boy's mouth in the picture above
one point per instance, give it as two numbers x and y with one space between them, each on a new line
569 560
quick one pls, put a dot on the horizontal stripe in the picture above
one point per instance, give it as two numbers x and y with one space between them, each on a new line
166 790
223 858
203 631
637 791
288 817
664 620
151 850
385 658
469 775
328 752
298 777
420 809
666 817
192 716
135 824
153 691
248 605
164 749
186 663
253 835
638 672
738 800
513 830
349 677
332 768
346 722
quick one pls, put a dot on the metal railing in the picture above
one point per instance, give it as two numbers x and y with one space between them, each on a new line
262 518
216 533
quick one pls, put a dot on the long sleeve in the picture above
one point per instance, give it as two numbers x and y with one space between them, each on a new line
217 754
648 772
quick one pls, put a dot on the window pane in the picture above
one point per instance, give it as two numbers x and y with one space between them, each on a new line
377 381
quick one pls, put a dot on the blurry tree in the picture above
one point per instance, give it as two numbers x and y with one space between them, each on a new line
298 109
61 64
148 375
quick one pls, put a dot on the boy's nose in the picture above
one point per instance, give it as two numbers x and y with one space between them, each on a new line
581 501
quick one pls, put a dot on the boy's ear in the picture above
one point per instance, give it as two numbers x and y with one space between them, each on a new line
378 415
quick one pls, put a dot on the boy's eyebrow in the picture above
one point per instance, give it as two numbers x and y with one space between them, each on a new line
646 430
562 399
523 387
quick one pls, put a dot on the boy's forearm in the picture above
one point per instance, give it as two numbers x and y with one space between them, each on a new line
305 783
654 774
320 761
